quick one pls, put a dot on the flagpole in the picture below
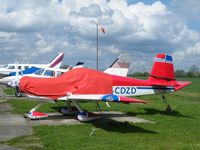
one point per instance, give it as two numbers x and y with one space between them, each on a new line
97 67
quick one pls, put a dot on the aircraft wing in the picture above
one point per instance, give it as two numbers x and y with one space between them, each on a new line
101 97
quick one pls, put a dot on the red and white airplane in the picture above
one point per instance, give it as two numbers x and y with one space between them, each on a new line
84 84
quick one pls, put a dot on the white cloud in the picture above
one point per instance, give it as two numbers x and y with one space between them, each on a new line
43 28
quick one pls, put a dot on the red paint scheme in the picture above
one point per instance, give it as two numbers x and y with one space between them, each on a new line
38 114
85 81
130 100
76 81
161 56
163 68
88 81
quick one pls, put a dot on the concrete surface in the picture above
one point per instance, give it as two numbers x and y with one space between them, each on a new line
6 147
13 125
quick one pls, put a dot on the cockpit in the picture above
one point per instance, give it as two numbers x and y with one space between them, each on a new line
48 73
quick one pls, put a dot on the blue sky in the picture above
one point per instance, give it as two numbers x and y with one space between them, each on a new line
35 31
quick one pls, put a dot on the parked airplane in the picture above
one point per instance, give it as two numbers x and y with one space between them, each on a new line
119 67
56 62
84 84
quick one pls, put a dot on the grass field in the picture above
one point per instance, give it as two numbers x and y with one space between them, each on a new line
179 129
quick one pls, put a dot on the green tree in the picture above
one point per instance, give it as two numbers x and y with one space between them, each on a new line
180 73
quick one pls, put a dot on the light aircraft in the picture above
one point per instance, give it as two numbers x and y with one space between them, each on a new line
7 69
119 67
55 63
83 84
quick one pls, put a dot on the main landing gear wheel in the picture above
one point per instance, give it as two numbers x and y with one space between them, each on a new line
87 116
168 109
67 111
83 115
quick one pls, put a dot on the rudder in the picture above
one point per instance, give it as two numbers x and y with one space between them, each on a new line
163 67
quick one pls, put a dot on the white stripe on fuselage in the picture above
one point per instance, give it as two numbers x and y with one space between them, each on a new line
141 90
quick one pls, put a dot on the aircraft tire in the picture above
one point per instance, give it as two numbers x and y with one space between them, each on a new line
18 94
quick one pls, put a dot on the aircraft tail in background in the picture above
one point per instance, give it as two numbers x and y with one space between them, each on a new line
57 61
120 66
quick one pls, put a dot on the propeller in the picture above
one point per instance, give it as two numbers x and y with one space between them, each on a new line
15 82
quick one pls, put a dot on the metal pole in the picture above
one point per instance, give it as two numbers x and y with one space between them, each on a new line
97 48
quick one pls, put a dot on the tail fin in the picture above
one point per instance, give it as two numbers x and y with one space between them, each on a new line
120 66
79 65
162 73
57 61
163 67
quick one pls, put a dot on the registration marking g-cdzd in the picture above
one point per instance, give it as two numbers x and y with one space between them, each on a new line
124 90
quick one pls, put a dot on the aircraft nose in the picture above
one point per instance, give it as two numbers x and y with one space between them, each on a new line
23 84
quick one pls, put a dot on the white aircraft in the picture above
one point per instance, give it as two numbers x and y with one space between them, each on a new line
120 66
56 62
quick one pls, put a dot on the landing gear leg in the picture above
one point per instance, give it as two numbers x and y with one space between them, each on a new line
168 108
69 110
98 107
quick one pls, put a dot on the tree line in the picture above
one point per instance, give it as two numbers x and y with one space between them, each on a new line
192 72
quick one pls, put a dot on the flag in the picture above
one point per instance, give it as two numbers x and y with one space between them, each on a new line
102 29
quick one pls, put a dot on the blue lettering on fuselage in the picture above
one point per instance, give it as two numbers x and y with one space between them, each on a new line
124 90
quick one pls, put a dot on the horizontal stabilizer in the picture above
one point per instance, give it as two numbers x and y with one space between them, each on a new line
163 82
181 84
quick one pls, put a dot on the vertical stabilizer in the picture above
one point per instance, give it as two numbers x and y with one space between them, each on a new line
57 61
163 67
120 66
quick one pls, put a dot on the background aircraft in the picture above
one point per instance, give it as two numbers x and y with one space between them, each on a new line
55 63
120 66
7 69
86 84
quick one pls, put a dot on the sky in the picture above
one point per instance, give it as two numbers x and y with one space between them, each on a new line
34 31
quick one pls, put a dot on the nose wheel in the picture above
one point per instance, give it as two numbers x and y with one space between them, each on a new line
18 93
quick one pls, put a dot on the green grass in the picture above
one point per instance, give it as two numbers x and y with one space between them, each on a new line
9 91
178 129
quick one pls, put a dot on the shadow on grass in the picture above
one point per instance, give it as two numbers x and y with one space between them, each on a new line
120 127
57 108
108 124
152 111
